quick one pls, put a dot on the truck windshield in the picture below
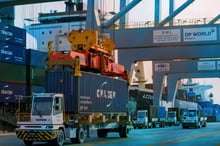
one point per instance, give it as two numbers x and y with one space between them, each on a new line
192 113
171 115
141 114
42 106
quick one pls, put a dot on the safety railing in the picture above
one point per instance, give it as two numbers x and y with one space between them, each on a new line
176 22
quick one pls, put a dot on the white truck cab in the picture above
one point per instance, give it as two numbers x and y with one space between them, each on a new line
47 122
142 119
194 118
171 118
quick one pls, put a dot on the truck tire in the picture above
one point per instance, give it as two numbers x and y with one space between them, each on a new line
197 125
28 142
59 140
102 133
204 124
80 136
123 131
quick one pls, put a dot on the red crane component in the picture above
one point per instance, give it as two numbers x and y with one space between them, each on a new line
57 58
94 54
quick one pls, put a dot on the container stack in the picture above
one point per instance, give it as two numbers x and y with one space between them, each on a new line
35 71
212 111
13 66
22 70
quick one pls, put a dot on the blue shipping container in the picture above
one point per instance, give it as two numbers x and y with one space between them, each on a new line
10 92
37 89
90 92
36 58
161 112
12 53
12 34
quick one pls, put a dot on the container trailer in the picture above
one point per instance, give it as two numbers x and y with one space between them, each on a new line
71 105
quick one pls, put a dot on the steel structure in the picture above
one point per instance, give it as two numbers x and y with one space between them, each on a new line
5 3
163 41
167 43
176 70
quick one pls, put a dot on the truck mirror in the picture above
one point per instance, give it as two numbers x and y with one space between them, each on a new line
56 107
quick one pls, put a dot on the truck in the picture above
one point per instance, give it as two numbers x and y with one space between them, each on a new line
150 117
85 89
194 118
173 116
71 105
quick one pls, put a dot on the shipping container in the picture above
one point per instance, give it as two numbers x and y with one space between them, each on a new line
37 89
35 75
36 58
161 112
12 53
12 34
30 89
13 73
10 92
89 93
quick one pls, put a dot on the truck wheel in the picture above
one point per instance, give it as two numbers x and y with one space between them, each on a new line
197 125
102 133
59 140
123 131
28 142
80 136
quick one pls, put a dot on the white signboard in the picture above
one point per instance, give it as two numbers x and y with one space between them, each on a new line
162 67
200 34
206 65
166 36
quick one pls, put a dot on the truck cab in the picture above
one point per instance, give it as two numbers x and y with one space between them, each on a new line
142 119
171 118
47 122
194 118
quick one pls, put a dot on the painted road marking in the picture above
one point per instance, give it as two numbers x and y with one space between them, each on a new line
184 138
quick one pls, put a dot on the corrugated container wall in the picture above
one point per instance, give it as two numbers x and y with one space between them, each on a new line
153 112
10 92
90 92
13 73
12 54
161 112
12 34
35 75
36 58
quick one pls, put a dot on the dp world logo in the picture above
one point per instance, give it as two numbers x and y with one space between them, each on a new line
104 93
6 92
6 53
5 31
